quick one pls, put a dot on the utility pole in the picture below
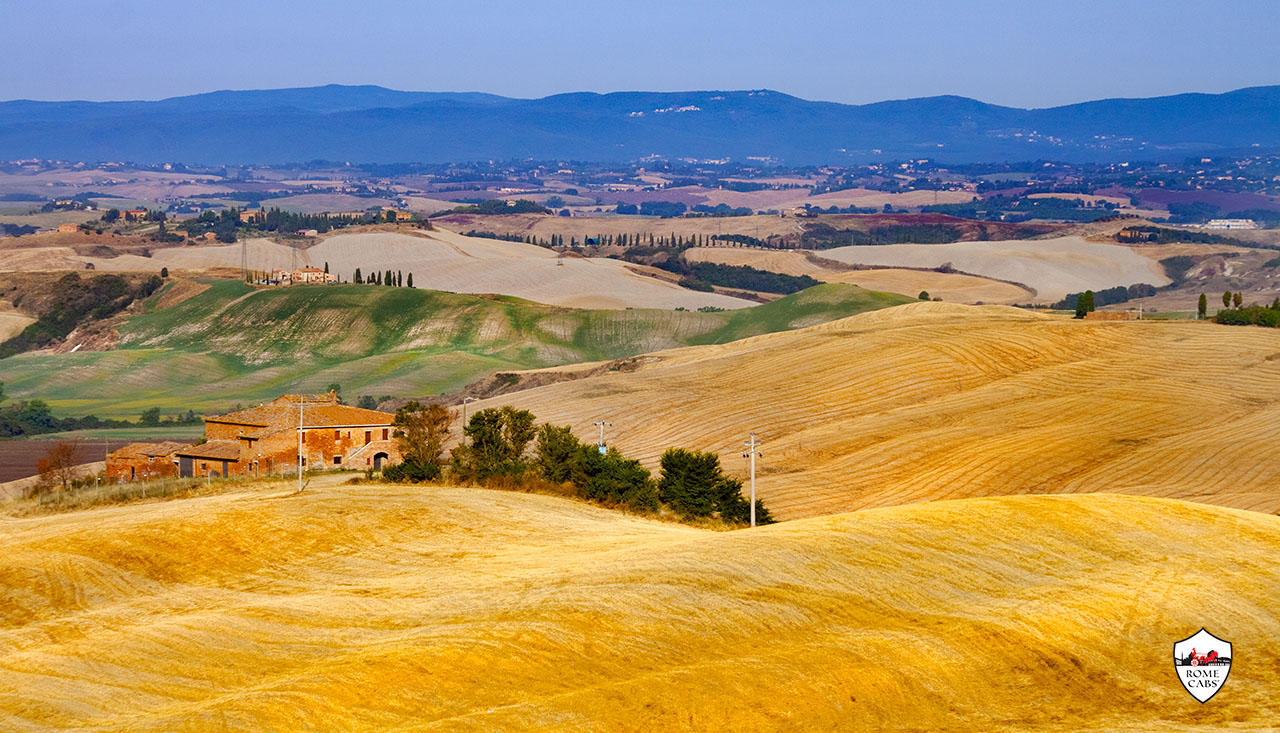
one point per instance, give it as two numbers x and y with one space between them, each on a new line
600 424
465 400
301 401
751 452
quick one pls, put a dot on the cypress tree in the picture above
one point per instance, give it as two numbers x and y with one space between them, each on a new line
1202 309
1084 304
411 279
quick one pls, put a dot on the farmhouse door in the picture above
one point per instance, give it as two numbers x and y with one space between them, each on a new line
184 467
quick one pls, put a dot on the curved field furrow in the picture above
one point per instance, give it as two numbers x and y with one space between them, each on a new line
930 401
392 608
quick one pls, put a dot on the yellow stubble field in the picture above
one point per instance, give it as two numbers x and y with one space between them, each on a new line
408 608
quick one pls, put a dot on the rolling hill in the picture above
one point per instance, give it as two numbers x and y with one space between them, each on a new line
1053 267
370 124
935 401
395 608
952 287
228 343
442 260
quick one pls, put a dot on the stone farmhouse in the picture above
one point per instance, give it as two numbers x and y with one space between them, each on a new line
302 275
263 440
143 461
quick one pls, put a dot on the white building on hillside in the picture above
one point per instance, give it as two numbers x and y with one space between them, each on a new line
1232 224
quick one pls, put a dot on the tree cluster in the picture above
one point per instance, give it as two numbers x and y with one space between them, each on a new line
1085 304
34 417
491 207
421 432
496 451
703 275
76 301
1254 315
395 279
660 209
820 235
1110 296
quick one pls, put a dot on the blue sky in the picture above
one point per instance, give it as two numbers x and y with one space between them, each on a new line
1030 53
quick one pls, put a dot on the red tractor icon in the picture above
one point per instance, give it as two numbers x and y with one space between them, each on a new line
1202 659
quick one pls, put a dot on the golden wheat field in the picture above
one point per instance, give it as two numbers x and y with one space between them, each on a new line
400 608
936 401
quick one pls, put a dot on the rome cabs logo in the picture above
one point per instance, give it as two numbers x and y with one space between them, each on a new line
1203 662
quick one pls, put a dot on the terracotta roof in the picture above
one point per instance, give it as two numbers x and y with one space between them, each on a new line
285 416
166 448
221 450
137 450
132 450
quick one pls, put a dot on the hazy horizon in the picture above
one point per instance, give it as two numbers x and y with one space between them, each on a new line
1028 56
614 91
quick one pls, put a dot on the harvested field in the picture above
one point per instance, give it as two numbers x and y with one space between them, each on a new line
1054 267
394 608
318 203
18 458
951 287
543 227
40 258
866 198
48 220
12 322
1120 201
932 401
446 261
428 206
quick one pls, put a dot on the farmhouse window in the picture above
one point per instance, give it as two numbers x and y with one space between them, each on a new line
337 460
368 437
384 433
337 434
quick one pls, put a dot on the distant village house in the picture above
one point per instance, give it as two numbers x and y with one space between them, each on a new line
1231 224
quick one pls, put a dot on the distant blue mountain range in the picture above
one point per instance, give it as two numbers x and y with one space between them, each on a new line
370 124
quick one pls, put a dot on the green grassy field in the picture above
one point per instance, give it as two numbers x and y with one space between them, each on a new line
233 344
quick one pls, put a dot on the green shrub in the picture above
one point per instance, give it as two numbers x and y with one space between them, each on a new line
496 442
412 470
1254 315
614 479
559 458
